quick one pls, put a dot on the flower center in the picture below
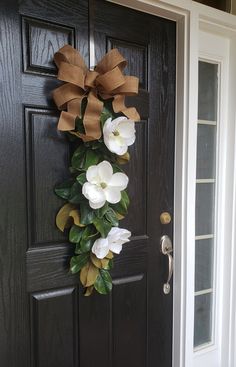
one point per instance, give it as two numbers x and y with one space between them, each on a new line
116 133
103 185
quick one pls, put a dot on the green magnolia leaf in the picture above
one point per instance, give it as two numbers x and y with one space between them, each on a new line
88 238
75 234
92 158
81 178
111 217
78 250
87 214
122 206
109 265
86 244
63 190
76 196
116 168
73 170
102 226
105 115
125 198
100 212
103 283
78 262
79 126
78 158
83 105
95 145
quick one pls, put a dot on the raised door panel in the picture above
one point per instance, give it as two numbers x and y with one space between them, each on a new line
125 316
45 28
52 295
54 336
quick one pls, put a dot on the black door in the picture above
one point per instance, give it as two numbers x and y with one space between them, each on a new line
45 321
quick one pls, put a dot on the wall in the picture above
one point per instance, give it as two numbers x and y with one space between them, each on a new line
233 7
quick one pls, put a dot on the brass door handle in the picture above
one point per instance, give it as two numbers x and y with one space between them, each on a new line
167 249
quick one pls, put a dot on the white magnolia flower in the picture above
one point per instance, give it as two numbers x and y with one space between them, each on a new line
114 241
116 238
103 185
118 134
101 247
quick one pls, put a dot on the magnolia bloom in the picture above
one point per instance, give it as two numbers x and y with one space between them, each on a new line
114 241
102 185
118 134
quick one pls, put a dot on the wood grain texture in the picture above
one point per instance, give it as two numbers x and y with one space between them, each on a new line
151 173
129 322
161 170
44 318
53 22
54 332
14 334
41 41
47 158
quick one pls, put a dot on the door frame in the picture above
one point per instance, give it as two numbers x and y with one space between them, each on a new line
191 18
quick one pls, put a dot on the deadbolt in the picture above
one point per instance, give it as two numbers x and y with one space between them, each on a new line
165 218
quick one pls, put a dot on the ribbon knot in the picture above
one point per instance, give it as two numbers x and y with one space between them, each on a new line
106 81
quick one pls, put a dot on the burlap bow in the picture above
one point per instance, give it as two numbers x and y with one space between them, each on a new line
106 81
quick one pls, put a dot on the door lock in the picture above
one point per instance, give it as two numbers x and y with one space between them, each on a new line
167 249
165 218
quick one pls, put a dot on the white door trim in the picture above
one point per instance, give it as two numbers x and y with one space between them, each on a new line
190 17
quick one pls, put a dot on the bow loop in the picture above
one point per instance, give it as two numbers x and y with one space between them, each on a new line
71 74
106 81
112 59
90 79
111 80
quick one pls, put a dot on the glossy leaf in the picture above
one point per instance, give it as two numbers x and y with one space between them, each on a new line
89 274
122 206
88 291
116 168
97 262
103 283
110 255
79 126
63 216
81 178
78 157
100 212
123 159
88 238
110 215
76 217
105 115
92 158
87 214
102 226
63 190
75 234
105 263
78 262
76 196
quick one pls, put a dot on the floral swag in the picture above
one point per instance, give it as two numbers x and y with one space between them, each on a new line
101 128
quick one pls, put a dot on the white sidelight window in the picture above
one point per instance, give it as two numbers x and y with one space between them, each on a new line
206 204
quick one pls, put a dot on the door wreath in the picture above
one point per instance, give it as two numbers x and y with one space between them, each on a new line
102 128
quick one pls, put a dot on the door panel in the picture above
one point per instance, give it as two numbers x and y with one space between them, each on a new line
47 321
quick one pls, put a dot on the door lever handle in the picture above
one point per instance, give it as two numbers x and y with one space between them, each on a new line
167 249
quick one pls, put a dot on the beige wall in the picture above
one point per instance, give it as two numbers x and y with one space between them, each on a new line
234 7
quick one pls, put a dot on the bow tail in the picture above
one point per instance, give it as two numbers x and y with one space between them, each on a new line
67 118
119 106
91 119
